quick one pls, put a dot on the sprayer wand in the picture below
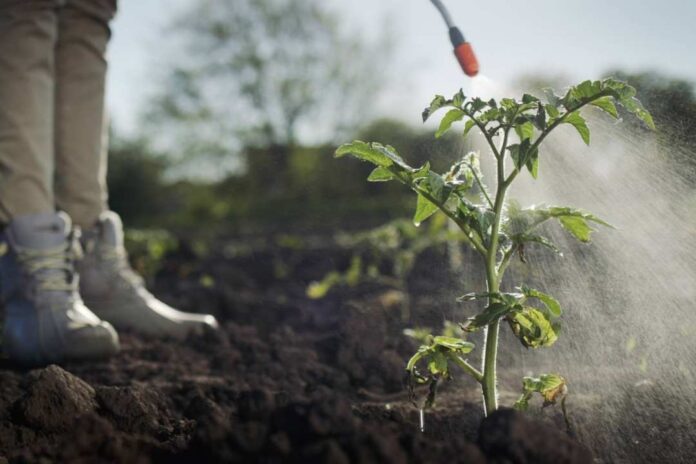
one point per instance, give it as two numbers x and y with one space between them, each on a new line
462 49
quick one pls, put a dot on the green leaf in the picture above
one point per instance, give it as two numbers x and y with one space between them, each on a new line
552 111
520 222
553 99
421 172
526 98
380 174
373 152
424 209
533 164
485 217
580 125
492 313
540 118
541 240
438 102
577 227
550 302
508 103
451 117
625 95
365 152
575 221
586 90
458 98
559 211
318 290
468 125
525 130
633 105
436 186
476 105
453 344
437 363
354 271
607 105
522 404
422 352
523 154
351 277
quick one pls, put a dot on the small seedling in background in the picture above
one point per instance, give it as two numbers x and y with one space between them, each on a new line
386 255
495 228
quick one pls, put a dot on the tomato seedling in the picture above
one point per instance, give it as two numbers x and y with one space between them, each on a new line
498 229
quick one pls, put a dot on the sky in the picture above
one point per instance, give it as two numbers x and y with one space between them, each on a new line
575 39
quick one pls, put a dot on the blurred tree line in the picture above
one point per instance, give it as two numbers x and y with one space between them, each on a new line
242 134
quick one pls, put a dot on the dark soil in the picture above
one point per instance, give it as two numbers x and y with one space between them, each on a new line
285 379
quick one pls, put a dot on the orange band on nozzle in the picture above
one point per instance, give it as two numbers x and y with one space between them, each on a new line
467 59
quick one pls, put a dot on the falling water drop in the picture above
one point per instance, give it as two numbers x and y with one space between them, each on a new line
421 417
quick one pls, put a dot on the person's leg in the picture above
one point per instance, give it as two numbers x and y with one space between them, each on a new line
108 285
45 320
80 174
28 31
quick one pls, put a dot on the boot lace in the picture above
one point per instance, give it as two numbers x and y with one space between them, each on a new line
52 268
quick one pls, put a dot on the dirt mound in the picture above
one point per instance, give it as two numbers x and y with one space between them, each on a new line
54 399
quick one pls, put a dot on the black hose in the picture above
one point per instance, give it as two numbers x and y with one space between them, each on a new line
445 14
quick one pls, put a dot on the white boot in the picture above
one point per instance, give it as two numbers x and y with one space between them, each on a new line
117 294
45 318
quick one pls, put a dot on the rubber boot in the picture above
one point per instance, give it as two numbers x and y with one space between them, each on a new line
117 294
45 318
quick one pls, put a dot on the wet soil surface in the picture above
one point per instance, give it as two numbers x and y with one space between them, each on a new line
285 379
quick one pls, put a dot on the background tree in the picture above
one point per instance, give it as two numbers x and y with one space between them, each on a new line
263 75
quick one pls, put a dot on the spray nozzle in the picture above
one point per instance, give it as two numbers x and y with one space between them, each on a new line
464 52
462 49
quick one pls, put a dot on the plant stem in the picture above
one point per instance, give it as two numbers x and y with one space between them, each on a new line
468 368
490 352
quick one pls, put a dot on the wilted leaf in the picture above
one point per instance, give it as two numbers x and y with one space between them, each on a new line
533 328
552 387
550 302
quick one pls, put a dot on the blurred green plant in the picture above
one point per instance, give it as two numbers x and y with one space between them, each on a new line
147 249
495 228
386 255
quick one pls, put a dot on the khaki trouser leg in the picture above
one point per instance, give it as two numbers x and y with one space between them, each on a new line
28 32
80 126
